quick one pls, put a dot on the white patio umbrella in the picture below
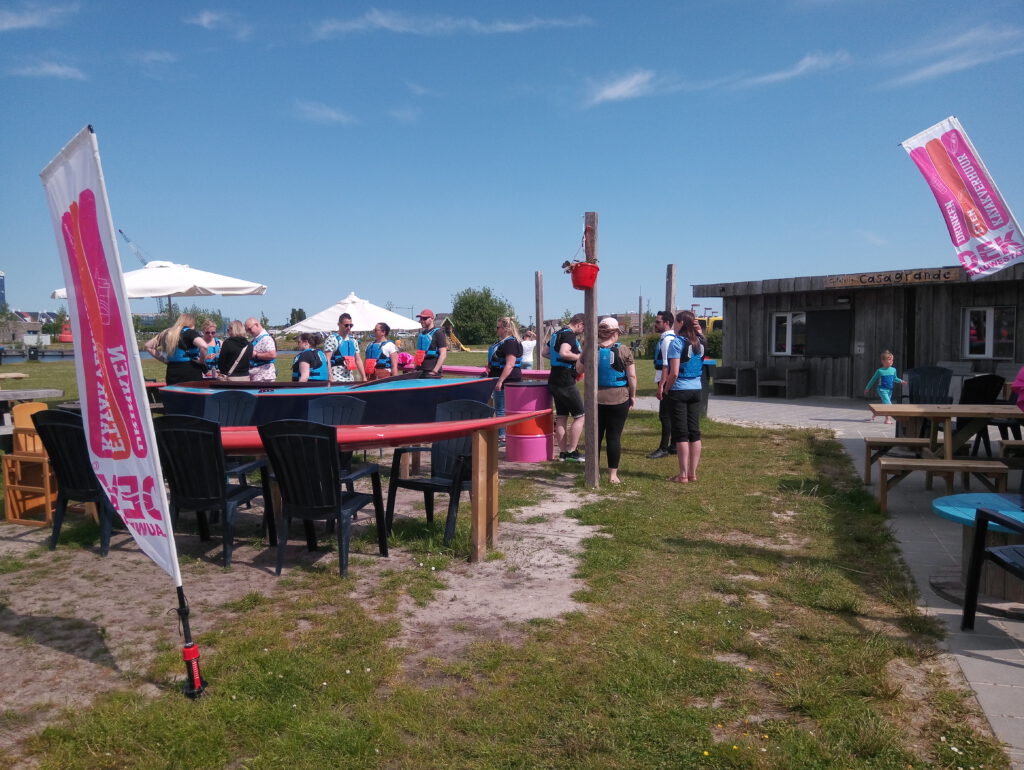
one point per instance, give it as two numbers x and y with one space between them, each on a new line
168 279
365 315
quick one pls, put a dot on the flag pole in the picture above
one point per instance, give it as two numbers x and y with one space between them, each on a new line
194 682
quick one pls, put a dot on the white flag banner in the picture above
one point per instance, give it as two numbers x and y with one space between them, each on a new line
985 235
115 410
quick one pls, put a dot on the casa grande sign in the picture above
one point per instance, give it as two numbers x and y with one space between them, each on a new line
895 278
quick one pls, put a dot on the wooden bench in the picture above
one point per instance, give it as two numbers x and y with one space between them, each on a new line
892 470
791 382
876 447
1011 452
737 380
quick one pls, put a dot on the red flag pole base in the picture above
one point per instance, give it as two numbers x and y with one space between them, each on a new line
194 682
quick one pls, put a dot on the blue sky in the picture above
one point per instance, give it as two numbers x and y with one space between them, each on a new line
408 150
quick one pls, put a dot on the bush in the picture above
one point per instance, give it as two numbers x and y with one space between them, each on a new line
714 345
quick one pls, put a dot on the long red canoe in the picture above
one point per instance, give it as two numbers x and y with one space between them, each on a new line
246 439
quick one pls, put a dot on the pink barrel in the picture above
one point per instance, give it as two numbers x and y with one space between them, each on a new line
534 441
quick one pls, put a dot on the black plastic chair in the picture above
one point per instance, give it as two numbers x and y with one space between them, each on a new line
193 461
234 408
230 407
63 436
450 465
1009 557
927 385
338 410
983 389
304 458
348 410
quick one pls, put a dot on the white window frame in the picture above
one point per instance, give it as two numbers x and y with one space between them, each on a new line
789 333
990 327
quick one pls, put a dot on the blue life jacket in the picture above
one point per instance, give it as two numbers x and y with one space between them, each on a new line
496 362
346 347
611 372
556 359
319 372
185 355
376 350
692 367
261 362
425 342
659 361
212 354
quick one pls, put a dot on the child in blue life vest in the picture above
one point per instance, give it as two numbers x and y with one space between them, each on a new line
883 380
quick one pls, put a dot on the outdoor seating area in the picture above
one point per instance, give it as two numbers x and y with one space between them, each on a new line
782 382
739 379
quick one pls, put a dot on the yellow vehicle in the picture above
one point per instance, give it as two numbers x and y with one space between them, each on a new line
714 323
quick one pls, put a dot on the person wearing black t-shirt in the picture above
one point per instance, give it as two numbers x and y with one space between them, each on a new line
566 356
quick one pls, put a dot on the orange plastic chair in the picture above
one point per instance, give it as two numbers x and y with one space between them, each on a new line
30 488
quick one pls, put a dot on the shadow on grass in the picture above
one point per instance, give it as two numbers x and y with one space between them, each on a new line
71 636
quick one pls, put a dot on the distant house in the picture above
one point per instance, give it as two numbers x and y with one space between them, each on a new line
835 326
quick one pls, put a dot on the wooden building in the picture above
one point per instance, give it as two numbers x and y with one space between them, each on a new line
836 326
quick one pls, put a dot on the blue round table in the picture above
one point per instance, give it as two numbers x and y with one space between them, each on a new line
961 509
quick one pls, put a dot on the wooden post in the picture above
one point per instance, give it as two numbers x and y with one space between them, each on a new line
593 461
538 291
670 289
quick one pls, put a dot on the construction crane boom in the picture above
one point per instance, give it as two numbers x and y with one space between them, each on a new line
142 258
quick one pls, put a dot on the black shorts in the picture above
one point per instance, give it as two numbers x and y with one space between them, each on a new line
684 411
568 401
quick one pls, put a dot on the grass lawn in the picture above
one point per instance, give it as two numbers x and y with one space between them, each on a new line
760 618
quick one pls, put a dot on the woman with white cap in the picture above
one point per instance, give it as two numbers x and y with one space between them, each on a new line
616 391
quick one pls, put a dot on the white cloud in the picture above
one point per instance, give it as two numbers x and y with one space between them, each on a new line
154 57
405 114
872 237
972 48
35 16
404 24
632 86
218 21
50 70
810 64
418 90
318 112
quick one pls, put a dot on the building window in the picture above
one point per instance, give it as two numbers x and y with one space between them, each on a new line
789 334
988 332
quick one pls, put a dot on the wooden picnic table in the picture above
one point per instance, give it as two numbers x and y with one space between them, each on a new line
484 523
8 397
971 419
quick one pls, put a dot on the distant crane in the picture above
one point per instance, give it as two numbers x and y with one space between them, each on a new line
142 258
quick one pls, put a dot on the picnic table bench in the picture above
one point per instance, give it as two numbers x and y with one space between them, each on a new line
892 470
876 447
740 379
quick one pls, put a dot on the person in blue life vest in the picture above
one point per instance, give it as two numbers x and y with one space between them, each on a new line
182 348
505 361
681 386
431 345
616 392
212 348
264 353
343 351
664 324
381 354
883 381
566 358
310 365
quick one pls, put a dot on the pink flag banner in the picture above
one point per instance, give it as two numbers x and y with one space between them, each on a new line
985 235
115 411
